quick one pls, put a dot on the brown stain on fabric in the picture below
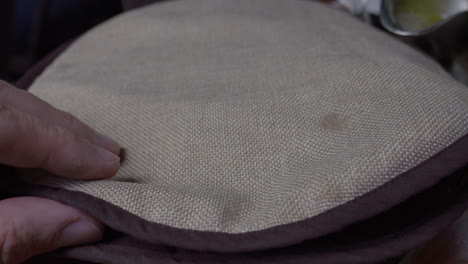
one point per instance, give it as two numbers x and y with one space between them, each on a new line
334 122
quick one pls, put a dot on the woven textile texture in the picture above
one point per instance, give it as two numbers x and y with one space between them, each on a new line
240 115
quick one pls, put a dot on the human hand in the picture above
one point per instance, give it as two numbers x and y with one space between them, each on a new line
33 134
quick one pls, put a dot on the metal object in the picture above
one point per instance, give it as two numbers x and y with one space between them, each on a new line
420 17
438 27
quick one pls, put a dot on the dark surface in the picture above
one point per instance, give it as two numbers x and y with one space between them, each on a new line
55 260
6 26
449 247
131 4
31 29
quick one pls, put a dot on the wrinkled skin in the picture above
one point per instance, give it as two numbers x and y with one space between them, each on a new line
33 134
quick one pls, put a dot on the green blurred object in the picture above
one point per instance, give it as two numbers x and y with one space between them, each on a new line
437 27
413 17
417 14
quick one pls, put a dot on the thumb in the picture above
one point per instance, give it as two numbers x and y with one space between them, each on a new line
31 226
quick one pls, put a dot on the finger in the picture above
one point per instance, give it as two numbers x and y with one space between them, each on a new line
30 226
28 142
32 105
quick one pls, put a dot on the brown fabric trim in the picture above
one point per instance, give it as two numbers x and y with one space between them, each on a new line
131 4
388 235
28 78
401 188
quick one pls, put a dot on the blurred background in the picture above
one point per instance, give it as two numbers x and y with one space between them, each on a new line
29 29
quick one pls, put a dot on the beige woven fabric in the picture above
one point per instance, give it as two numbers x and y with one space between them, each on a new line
239 115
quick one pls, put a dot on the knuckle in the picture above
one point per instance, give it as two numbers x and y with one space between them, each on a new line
69 118
74 124
8 118
55 132
79 166
58 138
54 135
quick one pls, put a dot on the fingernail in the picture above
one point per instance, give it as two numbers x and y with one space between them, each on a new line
79 232
109 143
107 156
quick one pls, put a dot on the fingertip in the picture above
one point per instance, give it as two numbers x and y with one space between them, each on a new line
80 232
106 156
108 143
107 171
108 162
